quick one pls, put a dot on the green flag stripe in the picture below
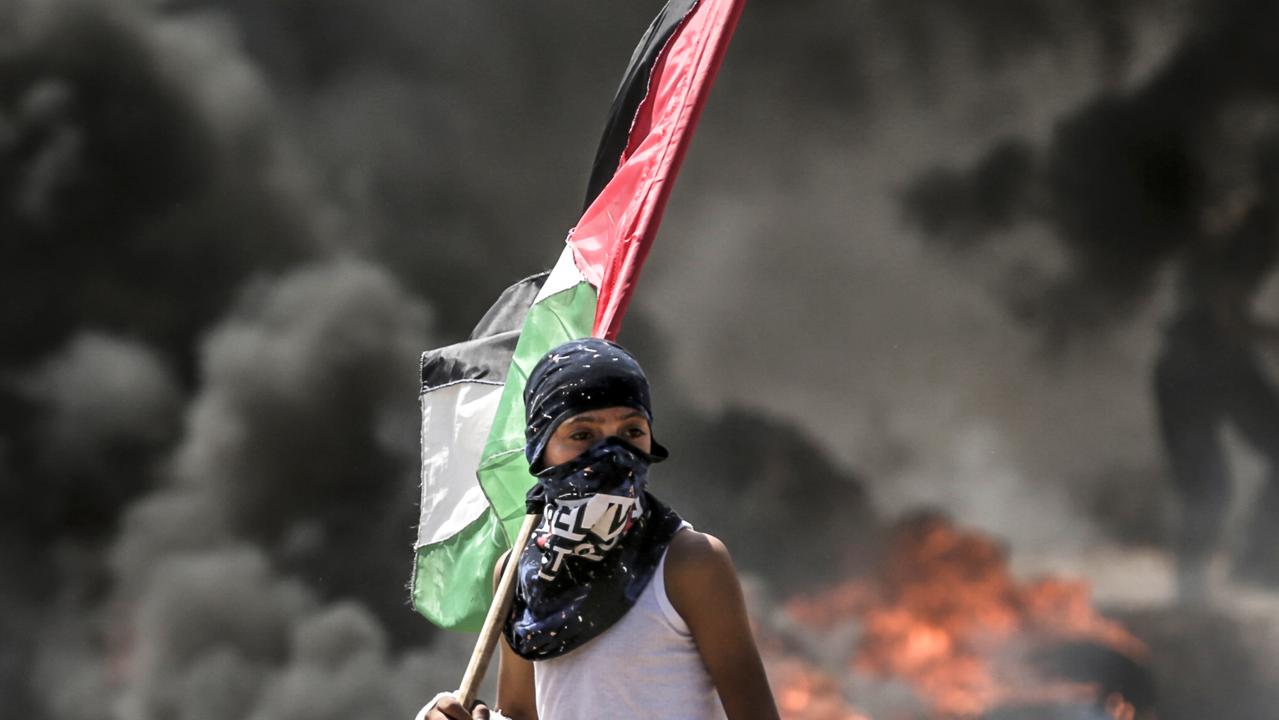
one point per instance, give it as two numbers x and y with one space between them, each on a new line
503 471
452 580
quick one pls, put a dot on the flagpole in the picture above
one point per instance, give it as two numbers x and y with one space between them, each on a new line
498 611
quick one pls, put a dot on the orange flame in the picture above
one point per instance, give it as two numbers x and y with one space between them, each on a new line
945 615
805 693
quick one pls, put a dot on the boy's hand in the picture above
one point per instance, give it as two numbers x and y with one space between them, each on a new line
447 707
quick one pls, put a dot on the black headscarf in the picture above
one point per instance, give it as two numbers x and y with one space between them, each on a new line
575 377
602 533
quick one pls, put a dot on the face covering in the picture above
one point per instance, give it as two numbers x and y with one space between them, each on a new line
602 533
588 505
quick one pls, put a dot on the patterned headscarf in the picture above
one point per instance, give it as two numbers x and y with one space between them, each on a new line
581 375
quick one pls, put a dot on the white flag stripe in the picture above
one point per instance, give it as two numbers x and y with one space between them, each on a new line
455 425
564 276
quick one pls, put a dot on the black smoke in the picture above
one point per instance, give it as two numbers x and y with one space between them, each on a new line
1130 179
228 227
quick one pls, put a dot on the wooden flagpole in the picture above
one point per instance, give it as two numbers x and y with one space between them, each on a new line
496 617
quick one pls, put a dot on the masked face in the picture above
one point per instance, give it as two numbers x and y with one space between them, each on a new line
583 431
591 503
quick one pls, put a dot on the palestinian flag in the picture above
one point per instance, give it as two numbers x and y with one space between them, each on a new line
474 475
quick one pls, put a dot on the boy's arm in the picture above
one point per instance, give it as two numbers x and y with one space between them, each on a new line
515 692
702 585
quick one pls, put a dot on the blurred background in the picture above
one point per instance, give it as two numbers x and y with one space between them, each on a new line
958 322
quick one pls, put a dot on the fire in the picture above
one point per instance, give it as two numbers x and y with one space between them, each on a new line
806 693
945 616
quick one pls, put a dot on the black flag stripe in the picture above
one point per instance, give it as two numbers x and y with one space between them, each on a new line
632 91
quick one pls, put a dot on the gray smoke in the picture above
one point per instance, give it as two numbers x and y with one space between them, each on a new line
229 227
1160 178
155 197
261 580
794 262
301 440
143 178
1130 178
106 407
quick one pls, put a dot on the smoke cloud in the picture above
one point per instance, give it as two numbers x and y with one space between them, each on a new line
1129 180
229 228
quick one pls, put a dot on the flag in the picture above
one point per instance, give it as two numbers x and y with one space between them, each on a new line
474 475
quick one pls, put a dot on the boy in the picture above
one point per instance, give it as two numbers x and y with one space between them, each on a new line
622 610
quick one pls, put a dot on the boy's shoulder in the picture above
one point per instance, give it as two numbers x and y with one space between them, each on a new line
691 546
695 562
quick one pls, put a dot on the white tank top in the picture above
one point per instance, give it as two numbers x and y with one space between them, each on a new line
645 666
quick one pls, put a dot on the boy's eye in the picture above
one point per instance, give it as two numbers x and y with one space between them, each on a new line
635 432
580 436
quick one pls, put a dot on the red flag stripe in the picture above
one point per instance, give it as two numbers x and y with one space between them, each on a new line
613 236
